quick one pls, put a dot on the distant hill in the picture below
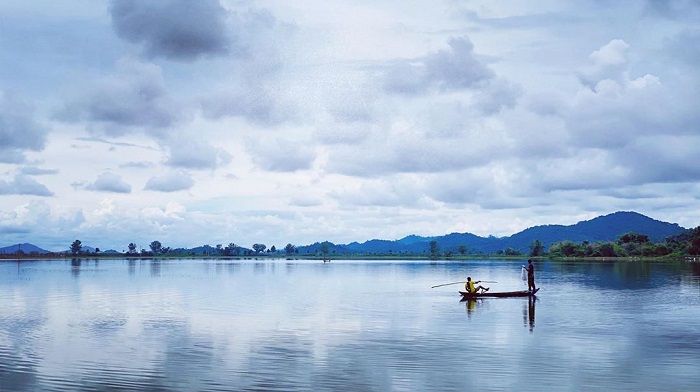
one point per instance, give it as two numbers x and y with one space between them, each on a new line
600 229
603 228
26 248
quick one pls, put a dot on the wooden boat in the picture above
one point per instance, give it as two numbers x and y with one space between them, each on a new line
523 293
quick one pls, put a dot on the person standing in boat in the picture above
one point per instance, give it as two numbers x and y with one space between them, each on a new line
530 275
471 286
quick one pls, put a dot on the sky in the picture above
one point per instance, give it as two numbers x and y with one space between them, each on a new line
275 122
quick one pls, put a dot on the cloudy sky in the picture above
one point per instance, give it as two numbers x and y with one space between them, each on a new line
219 121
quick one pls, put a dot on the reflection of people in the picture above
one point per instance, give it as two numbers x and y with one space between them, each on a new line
530 275
471 304
471 287
531 312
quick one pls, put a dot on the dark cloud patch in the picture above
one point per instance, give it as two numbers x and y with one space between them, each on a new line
19 130
36 171
112 143
674 9
23 185
170 182
197 155
137 164
497 95
673 157
455 68
14 229
11 155
523 22
258 105
133 98
109 182
172 29
414 154
280 155
686 47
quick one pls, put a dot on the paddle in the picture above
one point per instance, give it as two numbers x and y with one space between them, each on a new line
447 284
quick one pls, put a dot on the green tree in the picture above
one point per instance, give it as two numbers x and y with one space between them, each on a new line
633 238
607 249
132 247
259 248
512 252
694 245
76 246
462 249
434 250
324 249
566 249
273 249
156 247
231 249
536 249
290 249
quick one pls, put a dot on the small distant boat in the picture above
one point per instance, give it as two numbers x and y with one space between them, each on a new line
522 293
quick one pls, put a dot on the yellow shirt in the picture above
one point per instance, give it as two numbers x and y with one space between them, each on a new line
470 286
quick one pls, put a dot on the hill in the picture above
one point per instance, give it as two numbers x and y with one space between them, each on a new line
600 229
603 228
25 247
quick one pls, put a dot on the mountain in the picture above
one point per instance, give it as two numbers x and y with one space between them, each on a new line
26 248
600 229
603 228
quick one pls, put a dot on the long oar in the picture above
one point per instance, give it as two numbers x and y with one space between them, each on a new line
447 284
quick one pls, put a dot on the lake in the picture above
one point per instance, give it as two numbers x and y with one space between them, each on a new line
263 325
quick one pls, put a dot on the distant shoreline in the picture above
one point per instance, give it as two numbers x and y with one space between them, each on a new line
284 258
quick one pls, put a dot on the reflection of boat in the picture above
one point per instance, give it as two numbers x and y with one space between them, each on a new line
522 293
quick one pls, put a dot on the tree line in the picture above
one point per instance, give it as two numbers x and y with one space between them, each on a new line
156 248
627 245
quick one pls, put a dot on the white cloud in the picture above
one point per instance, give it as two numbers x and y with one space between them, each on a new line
23 185
133 98
452 69
608 62
170 182
174 29
281 154
109 182
341 120
19 129
196 154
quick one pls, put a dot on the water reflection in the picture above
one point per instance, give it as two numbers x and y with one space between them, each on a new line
75 267
155 268
529 313
471 304
178 325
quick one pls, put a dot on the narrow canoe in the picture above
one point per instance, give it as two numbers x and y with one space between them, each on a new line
523 293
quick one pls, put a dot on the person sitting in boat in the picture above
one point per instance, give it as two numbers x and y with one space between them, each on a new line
472 288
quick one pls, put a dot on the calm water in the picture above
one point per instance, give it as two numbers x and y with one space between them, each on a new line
194 325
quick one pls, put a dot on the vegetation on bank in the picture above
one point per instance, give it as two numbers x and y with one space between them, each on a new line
628 245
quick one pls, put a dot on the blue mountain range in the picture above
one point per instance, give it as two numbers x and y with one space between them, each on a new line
601 229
